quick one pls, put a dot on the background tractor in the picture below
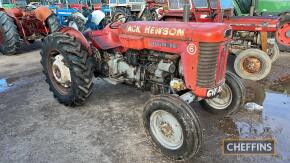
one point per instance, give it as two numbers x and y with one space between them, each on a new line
253 45
21 25
275 8
177 61
64 15
126 9
100 5
78 14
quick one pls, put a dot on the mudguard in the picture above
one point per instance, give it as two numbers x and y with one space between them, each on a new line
78 35
42 13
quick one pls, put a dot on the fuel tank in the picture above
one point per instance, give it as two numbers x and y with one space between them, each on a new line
186 31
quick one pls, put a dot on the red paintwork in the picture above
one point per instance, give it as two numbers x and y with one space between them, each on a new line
79 7
127 36
97 6
253 24
281 34
42 13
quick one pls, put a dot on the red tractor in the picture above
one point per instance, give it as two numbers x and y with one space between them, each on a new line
179 62
18 25
253 45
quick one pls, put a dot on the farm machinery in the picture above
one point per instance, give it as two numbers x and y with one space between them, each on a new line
129 9
100 5
275 8
82 15
179 62
18 25
145 10
253 45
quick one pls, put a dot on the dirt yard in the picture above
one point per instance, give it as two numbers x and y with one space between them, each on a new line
34 127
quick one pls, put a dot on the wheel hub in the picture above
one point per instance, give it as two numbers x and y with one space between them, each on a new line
222 100
251 64
166 129
60 71
283 34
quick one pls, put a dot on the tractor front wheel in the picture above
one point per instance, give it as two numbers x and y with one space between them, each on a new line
68 69
172 126
9 36
253 64
230 100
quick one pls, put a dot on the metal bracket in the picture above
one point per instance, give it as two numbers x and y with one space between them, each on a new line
188 97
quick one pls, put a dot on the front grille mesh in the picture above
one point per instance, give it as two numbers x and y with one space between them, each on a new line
207 64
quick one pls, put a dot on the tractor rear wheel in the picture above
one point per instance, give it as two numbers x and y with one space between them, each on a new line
253 64
121 14
52 23
172 126
9 36
283 33
230 100
68 69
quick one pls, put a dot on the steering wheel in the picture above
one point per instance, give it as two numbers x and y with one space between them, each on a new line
112 26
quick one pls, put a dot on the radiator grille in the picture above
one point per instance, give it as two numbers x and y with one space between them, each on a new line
207 64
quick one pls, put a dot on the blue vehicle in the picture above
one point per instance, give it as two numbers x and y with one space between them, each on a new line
64 14
80 9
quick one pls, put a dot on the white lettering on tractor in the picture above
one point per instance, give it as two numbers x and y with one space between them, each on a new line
214 91
156 30
133 28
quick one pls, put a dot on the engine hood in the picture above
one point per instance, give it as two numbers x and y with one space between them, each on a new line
188 31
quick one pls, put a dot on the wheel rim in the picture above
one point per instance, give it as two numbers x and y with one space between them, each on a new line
251 65
59 73
166 129
283 34
222 100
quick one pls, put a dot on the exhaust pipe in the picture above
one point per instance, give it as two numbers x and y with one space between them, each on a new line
186 10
